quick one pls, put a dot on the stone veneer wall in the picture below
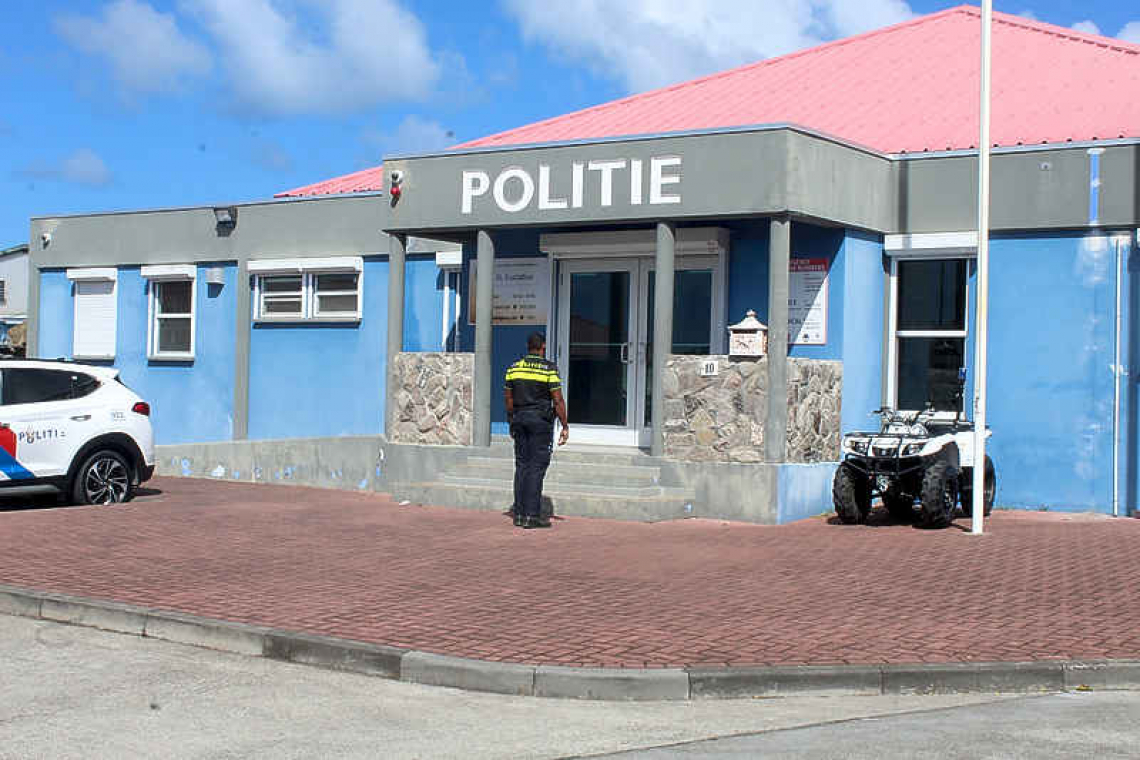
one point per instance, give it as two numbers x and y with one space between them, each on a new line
433 398
721 418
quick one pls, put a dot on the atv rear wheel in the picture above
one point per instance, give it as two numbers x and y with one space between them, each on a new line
851 493
966 489
939 493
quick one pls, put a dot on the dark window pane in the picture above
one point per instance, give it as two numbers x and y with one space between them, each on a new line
336 304
692 321
279 306
29 386
287 284
928 372
932 295
328 282
599 329
174 335
174 297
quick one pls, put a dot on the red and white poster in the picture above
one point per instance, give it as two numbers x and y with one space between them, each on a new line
807 301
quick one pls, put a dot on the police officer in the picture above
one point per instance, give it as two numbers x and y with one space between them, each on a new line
533 396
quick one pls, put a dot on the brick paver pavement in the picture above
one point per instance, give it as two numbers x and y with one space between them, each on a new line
595 592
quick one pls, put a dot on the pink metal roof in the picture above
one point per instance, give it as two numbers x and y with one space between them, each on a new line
906 88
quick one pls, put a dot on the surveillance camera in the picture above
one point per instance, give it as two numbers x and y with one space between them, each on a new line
397 177
45 238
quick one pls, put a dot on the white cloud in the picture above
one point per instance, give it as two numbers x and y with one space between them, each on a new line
146 49
318 56
651 43
413 135
1029 15
1130 32
83 167
1088 27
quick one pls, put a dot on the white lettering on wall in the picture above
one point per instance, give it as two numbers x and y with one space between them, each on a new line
474 183
591 184
544 199
658 179
500 190
607 169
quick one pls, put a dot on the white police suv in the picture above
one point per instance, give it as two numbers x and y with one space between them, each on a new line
75 427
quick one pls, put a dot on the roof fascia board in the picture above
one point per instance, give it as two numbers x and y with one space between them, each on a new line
207 207
640 138
1011 149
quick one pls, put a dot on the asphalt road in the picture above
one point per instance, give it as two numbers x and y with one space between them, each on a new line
73 692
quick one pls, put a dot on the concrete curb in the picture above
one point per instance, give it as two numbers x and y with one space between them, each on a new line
573 683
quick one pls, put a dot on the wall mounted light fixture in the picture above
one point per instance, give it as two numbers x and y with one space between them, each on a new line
226 215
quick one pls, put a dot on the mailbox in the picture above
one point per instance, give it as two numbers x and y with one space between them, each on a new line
748 337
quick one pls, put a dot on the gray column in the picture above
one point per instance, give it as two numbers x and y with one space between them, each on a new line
776 426
481 417
662 329
243 323
397 254
33 320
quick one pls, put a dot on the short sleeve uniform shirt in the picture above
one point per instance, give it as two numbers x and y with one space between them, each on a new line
532 381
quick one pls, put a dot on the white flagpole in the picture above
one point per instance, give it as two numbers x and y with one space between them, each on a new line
983 295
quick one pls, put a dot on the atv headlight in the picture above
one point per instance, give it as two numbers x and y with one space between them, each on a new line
912 449
855 446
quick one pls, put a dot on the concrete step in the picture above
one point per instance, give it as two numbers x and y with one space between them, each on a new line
616 455
668 504
563 472
626 490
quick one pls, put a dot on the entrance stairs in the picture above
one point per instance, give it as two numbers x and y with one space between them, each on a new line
583 481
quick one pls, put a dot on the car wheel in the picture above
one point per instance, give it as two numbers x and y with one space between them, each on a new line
939 493
851 493
967 489
104 478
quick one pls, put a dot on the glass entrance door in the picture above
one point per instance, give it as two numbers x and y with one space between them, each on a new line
597 349
605 340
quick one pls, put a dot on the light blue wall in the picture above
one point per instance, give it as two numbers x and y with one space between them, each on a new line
423 304
190 401
1052 304
803 490
311 380
860 329
56 317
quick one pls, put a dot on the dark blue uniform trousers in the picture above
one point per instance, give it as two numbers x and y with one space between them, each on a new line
533 432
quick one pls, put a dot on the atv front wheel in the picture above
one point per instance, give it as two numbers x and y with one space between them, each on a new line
939 493
851 493
966 489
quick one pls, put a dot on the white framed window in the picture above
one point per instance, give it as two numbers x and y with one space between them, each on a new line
96 312
172 302
300 290
929 322
449 263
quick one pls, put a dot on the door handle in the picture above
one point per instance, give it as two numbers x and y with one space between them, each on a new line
81 418
625 353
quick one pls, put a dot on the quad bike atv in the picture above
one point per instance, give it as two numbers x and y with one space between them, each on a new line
925 457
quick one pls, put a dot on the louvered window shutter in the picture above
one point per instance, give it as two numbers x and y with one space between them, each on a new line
95 319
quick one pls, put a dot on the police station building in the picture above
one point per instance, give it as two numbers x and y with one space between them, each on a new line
355 333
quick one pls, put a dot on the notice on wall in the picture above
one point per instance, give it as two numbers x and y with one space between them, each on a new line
807 301
520 294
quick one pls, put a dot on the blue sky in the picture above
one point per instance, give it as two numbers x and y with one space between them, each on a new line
126 104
